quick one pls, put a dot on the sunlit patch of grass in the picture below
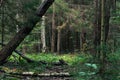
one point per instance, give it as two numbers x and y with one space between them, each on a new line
69 58
74 62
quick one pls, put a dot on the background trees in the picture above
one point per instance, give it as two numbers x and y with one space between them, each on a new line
74 26
76 35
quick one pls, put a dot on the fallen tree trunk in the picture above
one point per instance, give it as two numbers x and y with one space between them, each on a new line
33 74
24 57
59 63
27 28
21 54
61 74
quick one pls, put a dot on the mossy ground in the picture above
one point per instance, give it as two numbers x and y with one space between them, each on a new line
81 66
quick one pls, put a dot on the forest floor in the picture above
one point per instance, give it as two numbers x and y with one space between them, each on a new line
77 67
39 69
16 65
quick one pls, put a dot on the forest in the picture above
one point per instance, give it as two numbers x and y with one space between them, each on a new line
59 39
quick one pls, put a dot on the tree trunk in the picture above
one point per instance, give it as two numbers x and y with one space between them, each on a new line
43 39
3 26
77 43
53 30
102 42
27 28
107 18
97 27
58 41
83 40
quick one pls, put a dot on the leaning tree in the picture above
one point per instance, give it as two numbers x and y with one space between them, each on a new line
24 31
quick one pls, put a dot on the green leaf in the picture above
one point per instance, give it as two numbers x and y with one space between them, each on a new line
91 65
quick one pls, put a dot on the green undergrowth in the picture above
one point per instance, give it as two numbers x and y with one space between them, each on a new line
82 66
21 65
71 59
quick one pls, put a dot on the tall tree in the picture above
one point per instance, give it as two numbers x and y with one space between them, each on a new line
53 30
27 28
3 23
102 42
97 26
59 29
105 18
43 37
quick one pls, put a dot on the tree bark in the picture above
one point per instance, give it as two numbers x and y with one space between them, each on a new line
3 23
43 37
58 41
107 18
83 40
97 26
27 28
53 30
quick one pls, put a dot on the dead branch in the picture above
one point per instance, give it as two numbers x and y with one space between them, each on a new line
32 74
59 63
21 54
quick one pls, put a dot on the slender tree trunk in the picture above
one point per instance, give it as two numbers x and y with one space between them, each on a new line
107 18
102 18
102 22
53 30
97 27
3 25
27 28
83 40
102 42
59 29
77 41
67 40
58 41
43 39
